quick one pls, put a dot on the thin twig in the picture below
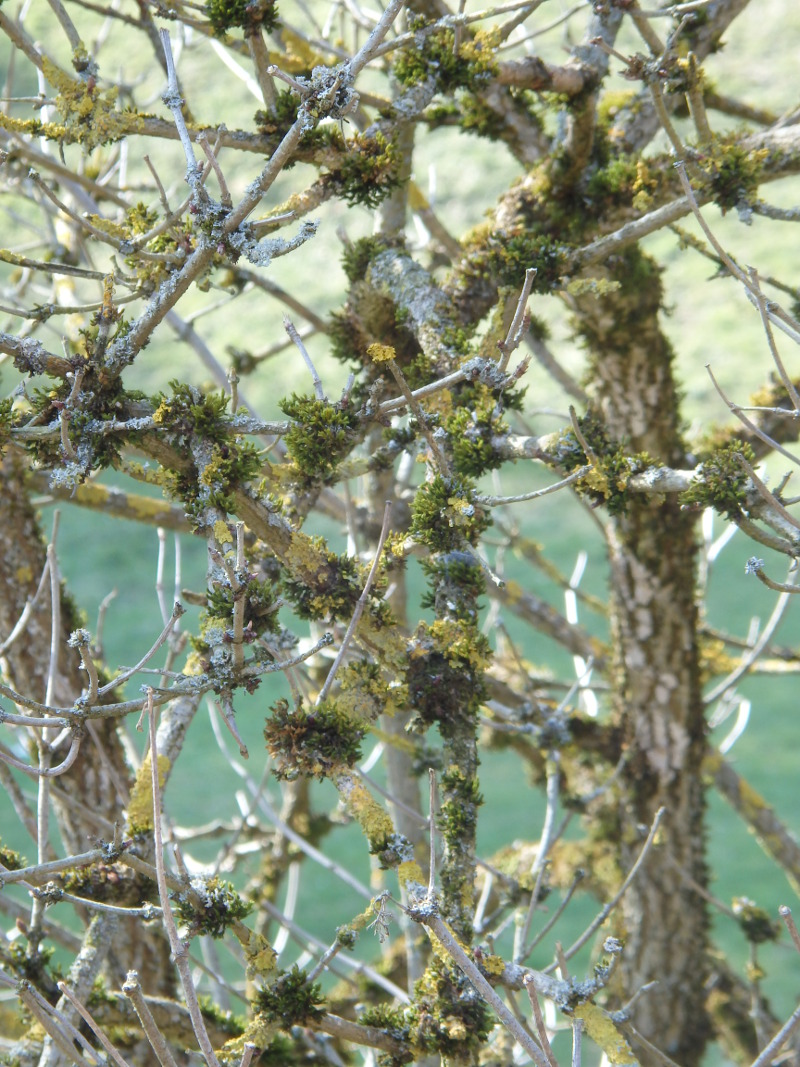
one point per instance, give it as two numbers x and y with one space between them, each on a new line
432 846
786 914
752 655
177 947
360 605
496 501
428 915
538 1018
133 991
291 329
172 98
517 327
96 1029
763 311
576 946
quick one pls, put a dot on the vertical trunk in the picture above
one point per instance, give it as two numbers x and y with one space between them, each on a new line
655 683
86 799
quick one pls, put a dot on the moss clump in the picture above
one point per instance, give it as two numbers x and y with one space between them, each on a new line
275 124
38 969
444 677
189 411
260 604
358 255
11 860
469 67
607 481
291 1000
723 483
224 1021
322 434
471 431
444 514
447 1015
230 461
328 587
508 258
109 884
311 743
456 581
365 692
732 173
755 921
250 15
458 817
368 171
212 907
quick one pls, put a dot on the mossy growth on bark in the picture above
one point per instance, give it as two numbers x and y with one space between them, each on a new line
467 67
312 742
252 16
291 1000
211 908
723 483
322 434
445 514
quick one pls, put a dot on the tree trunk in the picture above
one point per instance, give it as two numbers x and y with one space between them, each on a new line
655 678
87 798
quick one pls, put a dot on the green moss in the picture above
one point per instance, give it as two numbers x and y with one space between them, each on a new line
225 14
260 604
470 67
11 860
366 693
230 462
471 432
368 171
224 1021
38 969
358 255
211 908
731 172
444 514
456 581
447 1016
444 676
309 743
291 1000
607 481
329 589
756 923
458 817
322 434
723 484
189 410
507 260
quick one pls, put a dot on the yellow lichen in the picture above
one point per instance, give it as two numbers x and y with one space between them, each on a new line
260 955
222 533
410 872
370 816
494 965
602 1029
140 807
381 353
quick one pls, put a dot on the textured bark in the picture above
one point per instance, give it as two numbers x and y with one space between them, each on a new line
87 799
655 678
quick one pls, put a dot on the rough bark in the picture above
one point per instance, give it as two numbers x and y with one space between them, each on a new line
655 678
87 799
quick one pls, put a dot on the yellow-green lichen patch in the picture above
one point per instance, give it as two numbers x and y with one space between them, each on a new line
140 807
